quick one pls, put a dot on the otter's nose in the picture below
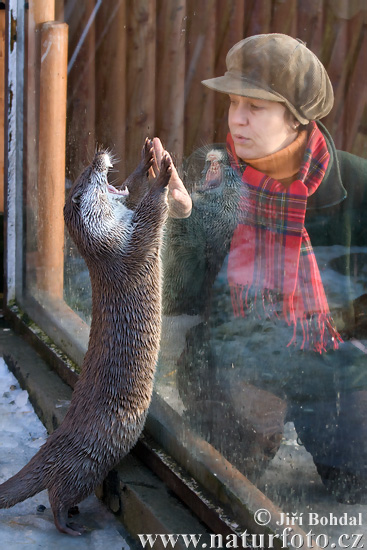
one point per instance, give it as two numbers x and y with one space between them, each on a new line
102 161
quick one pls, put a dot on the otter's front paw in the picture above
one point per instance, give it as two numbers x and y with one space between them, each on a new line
147 157
165 172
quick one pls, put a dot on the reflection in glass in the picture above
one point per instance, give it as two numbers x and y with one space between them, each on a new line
285 417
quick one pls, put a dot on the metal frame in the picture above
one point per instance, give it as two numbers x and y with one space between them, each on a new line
13 153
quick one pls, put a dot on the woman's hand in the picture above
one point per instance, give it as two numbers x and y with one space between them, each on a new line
179 200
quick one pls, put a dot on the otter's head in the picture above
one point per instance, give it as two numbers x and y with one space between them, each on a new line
93 207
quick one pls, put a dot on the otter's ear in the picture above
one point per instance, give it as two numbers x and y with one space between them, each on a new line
76 196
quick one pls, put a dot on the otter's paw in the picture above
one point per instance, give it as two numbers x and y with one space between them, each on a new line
64 526
165 171
147 156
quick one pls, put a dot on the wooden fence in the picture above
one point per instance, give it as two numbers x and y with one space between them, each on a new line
135 69
138 69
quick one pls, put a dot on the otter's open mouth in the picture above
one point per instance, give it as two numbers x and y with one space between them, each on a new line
116 191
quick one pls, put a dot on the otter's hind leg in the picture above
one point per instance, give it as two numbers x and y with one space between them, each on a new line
69 528
62 505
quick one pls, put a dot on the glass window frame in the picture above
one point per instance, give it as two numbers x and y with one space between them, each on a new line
211 472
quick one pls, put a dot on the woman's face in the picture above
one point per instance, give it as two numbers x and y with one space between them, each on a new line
258 127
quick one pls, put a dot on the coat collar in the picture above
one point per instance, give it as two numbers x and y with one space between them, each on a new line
331 190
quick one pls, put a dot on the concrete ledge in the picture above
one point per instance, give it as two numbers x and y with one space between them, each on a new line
140 500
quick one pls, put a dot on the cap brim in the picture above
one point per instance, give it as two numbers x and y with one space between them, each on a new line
227 84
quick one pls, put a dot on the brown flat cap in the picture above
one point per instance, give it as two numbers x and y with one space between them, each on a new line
279 68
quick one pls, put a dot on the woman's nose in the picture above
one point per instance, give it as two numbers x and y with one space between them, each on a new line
241 115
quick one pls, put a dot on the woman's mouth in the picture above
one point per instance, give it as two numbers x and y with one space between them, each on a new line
237 138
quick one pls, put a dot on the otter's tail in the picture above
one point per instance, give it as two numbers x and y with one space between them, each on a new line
29 481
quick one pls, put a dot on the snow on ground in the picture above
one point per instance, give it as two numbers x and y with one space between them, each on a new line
23 526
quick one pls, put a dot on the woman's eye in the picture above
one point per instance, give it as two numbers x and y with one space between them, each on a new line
255 107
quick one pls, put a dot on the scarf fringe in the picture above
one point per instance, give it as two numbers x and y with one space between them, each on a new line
318 333
316 330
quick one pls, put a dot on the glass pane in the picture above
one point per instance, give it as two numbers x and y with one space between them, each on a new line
262 367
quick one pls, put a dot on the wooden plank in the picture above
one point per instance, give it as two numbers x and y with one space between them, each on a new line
170 99
258 17
81 85
284 17
350 33
51 166
140 80
356 99
310 24
200 62
230 30
111 80
59 10
337 69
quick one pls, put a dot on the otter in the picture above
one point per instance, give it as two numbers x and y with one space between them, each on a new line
110 401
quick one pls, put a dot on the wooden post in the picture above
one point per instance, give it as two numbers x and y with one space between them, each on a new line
51 166
39 12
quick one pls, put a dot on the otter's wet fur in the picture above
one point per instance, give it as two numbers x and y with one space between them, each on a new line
111 398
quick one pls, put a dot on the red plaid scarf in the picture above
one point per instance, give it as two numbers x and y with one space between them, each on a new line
272 269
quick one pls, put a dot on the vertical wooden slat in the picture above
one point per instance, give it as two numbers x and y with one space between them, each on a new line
259 19
111 79
356 98
59 10
347 26
51 169
230 30
2 105
336 70
310 24
170 80
81 86
284 17
200 61
140 81
170 101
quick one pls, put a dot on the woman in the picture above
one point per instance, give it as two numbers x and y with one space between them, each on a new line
285 187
